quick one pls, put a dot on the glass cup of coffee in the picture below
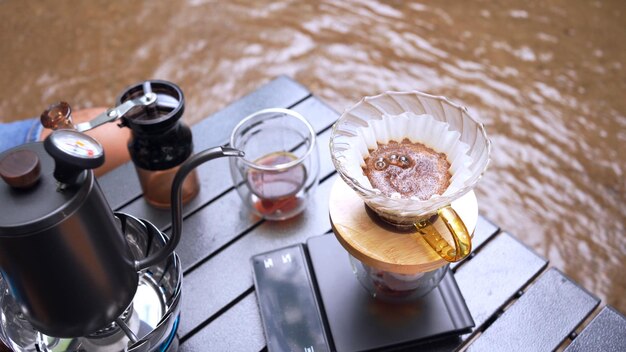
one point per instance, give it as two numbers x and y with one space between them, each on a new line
408 156
280 169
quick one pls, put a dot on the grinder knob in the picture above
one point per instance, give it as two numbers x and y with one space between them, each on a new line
57 116
20 168
73 152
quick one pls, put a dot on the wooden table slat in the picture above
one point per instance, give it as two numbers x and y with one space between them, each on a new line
541 319
606 332
494 276
239 329
122 184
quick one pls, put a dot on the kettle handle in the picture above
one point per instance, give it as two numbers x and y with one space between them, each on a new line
177 200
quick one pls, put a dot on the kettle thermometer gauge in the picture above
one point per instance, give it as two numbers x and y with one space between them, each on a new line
73 152
76 145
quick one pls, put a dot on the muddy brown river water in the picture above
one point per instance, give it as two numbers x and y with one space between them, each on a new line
548 79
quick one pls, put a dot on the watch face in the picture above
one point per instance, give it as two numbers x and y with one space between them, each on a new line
76 144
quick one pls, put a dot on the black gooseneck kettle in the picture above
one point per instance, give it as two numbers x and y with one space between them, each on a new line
63 251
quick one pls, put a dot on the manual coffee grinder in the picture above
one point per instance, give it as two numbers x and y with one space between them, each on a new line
75 275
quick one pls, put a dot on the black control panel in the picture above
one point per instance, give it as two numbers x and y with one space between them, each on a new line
289 305
310 301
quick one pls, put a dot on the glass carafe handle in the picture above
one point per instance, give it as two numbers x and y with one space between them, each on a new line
452 248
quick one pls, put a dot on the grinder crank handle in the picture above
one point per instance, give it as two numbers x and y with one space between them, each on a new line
59 115
177 200
117 112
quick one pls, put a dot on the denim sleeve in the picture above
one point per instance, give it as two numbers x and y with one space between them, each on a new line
19 132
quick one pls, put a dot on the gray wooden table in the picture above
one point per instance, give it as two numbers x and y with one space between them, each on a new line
517 301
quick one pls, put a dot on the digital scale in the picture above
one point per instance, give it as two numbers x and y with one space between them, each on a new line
311 301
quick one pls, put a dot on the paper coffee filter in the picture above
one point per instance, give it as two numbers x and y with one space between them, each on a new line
417 128
432 120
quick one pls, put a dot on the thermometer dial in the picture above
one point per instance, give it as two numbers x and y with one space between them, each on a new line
73 152
77 144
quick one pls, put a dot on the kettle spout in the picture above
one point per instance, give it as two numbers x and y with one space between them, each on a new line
228 151
177 214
